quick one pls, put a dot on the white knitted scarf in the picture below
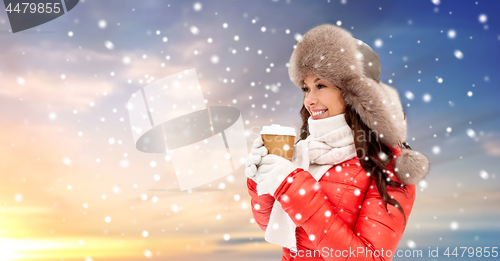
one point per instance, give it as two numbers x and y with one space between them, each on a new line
330 142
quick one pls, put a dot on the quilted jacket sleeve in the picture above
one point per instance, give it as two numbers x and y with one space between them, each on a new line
376 229
261 205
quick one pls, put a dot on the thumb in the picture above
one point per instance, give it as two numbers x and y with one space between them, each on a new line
270 159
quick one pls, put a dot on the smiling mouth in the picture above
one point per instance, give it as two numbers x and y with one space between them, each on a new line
318 113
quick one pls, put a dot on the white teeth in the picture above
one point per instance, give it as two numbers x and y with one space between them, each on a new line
319 112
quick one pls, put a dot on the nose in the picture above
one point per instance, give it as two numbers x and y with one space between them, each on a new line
310 99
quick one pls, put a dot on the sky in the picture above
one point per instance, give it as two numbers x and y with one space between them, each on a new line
74 186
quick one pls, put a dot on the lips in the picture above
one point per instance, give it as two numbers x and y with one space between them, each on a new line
318 114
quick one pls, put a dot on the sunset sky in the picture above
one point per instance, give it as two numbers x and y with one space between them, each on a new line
73 186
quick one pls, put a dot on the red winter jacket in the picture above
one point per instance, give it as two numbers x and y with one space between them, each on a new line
343 218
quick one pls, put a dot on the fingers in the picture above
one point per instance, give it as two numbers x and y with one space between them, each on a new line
258 142
253 160
262 151
251 171
270 159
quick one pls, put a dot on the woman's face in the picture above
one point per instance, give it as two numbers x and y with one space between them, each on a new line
321 98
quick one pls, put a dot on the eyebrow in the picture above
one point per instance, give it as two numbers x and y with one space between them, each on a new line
317 79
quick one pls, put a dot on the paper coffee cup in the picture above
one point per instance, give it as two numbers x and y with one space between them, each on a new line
279 140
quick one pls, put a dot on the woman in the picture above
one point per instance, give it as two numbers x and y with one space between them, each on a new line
350 188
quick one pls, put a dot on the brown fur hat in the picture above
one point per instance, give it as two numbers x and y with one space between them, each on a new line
335 56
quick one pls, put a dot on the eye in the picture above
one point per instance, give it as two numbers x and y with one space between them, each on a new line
320 86
305 89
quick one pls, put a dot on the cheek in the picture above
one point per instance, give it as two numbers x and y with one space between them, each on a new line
342 104
341 100
337 102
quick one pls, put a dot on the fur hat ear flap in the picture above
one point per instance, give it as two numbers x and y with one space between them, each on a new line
378 106
411 166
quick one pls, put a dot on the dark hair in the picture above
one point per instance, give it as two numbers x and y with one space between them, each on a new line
368 147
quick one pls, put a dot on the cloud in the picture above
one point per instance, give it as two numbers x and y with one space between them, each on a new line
35 152
491 143
62 77
40 88
71 78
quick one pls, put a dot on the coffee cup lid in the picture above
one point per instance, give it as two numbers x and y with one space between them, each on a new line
276 129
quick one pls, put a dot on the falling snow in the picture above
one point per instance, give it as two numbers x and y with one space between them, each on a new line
102 24
426 97
483 18
484 175
409 95
452 34
101 148
110 46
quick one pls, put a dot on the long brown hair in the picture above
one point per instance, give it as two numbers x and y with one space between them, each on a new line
368 149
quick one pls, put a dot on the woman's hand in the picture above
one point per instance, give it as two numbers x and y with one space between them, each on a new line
271 172
256 154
